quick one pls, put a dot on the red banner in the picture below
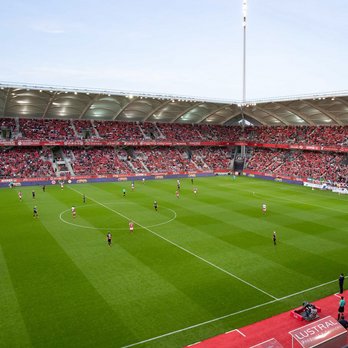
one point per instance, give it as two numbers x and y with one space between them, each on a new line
108 176
102 142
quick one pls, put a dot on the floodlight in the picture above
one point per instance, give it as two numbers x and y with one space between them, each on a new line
244 10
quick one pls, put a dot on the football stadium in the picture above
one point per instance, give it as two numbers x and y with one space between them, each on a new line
160 220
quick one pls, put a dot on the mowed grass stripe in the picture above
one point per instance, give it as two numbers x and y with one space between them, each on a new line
181 277
216 294
117 276
59 306
13 332
187 251
146 280
96 194
265 263
277 272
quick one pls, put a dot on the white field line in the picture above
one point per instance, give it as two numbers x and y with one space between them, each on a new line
240 333
111 228
182 248
294 201
226 316
259 344
235 330
309 289
200 324
215 319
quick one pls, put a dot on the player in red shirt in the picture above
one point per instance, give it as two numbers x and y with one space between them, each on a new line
177 194
131 226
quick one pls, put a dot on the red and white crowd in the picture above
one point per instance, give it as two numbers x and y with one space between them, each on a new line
42 162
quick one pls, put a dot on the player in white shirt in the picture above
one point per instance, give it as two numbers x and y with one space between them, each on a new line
73 212
178 184
264 208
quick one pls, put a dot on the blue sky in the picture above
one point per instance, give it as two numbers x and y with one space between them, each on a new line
191 47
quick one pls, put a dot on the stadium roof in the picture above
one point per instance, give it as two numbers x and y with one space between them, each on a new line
29 101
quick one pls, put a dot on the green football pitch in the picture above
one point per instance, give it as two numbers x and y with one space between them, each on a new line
203 264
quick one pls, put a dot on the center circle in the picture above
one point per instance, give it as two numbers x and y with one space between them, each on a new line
113 228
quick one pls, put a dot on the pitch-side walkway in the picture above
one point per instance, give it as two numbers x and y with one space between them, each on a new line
277 327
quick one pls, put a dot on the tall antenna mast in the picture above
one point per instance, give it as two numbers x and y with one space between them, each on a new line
244 10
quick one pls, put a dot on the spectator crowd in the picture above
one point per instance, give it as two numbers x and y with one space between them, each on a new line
38 162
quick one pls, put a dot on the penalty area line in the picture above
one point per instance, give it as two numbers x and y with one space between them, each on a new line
182 248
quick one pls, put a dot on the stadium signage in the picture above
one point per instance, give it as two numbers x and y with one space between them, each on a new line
102 142
326 330
103 178
341 191
8 180
314 185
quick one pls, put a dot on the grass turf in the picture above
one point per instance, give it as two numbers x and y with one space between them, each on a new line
199 258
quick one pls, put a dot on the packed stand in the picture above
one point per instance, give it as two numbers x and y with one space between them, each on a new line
300 164
317 166
38 129
24 162
84 128
151 131
180 132
119 131
52 129
309 135
162 159
333 135
9 123
177 159
135 158
221 133
98 161
212 158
